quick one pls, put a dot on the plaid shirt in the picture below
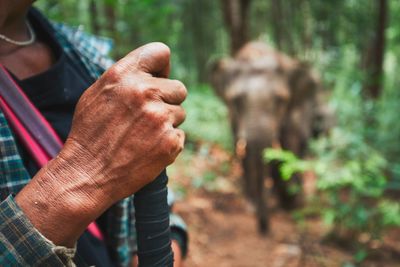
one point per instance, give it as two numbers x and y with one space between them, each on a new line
20 243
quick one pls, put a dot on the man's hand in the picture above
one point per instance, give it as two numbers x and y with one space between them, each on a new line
123 135
125 124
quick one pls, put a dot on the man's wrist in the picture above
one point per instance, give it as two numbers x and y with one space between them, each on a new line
61 201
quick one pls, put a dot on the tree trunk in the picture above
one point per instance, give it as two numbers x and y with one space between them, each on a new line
283 24
277 18
307 29
202 39
236 20
94 22
375 54
110 18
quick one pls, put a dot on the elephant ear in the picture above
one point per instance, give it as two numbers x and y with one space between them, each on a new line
303 83
324 117
222 73
306 89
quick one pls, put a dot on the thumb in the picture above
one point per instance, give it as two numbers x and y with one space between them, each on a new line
152 58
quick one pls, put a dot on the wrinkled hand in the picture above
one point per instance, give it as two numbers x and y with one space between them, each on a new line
123 135
124 126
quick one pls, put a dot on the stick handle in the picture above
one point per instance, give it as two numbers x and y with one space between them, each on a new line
152 224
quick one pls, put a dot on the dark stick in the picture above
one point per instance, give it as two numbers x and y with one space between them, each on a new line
152 224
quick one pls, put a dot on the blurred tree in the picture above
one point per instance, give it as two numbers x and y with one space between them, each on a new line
374 54
95 26
237 21
201 19
110 16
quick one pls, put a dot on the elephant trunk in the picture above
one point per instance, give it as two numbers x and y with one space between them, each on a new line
253 172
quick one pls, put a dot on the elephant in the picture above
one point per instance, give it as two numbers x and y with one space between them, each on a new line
273 101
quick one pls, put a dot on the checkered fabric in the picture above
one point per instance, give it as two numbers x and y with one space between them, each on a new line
19 244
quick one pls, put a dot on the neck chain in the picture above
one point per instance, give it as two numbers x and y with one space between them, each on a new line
21 43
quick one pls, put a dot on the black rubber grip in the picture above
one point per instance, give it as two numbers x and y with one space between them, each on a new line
152 224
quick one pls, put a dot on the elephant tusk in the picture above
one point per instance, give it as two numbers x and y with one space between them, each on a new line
241 148
276 144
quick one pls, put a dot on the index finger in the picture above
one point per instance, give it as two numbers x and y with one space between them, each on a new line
152 58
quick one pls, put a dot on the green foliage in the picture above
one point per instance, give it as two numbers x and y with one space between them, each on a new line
206 117
292 163
357 162
351 185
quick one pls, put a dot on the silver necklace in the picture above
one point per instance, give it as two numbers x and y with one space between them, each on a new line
21 43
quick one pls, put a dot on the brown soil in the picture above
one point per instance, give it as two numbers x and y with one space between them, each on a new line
223 232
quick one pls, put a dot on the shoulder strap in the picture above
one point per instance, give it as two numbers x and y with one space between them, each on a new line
28 115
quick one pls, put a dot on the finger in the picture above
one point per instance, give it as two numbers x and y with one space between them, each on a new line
181 138
177 115
152 58
177 141
170 91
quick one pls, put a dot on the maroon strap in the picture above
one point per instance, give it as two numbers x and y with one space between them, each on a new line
28 114
35 150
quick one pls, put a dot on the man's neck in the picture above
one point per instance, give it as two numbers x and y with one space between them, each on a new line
22 61
13 22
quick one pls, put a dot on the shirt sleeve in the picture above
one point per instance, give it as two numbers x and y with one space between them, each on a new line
21 244
179 232
178 226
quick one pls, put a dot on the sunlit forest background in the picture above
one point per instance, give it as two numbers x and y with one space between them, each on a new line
352 215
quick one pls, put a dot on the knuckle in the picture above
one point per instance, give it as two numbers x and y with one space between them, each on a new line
171 145
109 93
176 138
114 74
151 92
156 114
135 91
163 118
179 147
182 137
143 86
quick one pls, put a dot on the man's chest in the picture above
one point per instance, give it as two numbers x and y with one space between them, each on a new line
28 61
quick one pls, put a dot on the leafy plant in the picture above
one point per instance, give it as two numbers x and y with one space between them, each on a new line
351 184
356 163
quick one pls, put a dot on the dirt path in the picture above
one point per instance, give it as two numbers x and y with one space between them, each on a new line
223 231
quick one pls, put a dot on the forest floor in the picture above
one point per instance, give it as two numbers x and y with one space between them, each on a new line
222 228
